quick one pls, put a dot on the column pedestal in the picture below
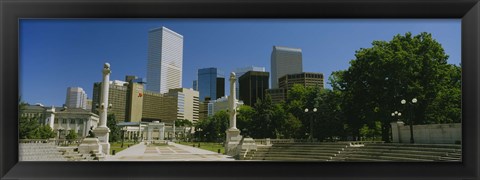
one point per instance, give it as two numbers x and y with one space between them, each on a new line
102 134
233 140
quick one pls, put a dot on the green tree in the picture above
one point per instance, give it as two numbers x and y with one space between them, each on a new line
245 120
27 125
72 135
115 134
213 128
263 121
183 123
381 76
45 132
329 118
448 100
290 126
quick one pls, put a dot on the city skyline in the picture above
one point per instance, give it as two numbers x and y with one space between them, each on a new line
56 54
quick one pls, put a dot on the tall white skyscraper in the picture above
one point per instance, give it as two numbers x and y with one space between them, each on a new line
165 60
241 71
285 60
76 98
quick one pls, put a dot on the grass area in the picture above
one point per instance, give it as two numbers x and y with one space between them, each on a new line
210 146
117 146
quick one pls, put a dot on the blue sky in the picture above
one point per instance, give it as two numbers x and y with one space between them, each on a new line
56 54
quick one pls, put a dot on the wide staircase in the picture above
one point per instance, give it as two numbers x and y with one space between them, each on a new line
48 151
296 152
72 154
354 151
40 152
401 152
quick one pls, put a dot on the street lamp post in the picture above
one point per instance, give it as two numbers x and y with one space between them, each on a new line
396 113
414 101
199 134
59 135
310 136
123 136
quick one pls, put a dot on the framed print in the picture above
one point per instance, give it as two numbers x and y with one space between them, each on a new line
239 89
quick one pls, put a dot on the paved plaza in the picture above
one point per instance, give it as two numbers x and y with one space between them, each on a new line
170 152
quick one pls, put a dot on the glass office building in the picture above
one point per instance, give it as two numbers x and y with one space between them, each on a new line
241 71
210 83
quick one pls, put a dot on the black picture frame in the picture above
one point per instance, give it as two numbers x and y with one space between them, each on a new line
12 10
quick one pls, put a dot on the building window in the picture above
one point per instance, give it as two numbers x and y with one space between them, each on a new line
64 121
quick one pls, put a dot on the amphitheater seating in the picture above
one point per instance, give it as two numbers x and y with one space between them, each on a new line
347 151
50 152
39 152
401 152
71 154
296 151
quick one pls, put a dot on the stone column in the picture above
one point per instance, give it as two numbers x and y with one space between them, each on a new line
102 131
85 128
149 133
231 102
174 135
104 98
161 131
232 134
51 122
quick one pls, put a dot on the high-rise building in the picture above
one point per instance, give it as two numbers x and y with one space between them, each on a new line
195 85
76 98
278 95
285 60
286 82
210 83
89 104
165 60
187 103
203 110
131 103
306 79
117 97
134 104
240 71
158 107
252 86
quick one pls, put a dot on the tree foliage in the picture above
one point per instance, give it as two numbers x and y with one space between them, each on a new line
406 67
362 97
115 134
213 128
30 127
72 135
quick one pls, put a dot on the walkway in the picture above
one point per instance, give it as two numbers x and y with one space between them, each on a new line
171 152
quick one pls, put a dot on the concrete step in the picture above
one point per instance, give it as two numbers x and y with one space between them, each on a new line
390 158
279 153
399 155
448 146
293 159
395 151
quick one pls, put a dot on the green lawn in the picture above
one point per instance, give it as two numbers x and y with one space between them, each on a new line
210 146
117 146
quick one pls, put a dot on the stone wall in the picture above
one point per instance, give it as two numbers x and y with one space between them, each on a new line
427 134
